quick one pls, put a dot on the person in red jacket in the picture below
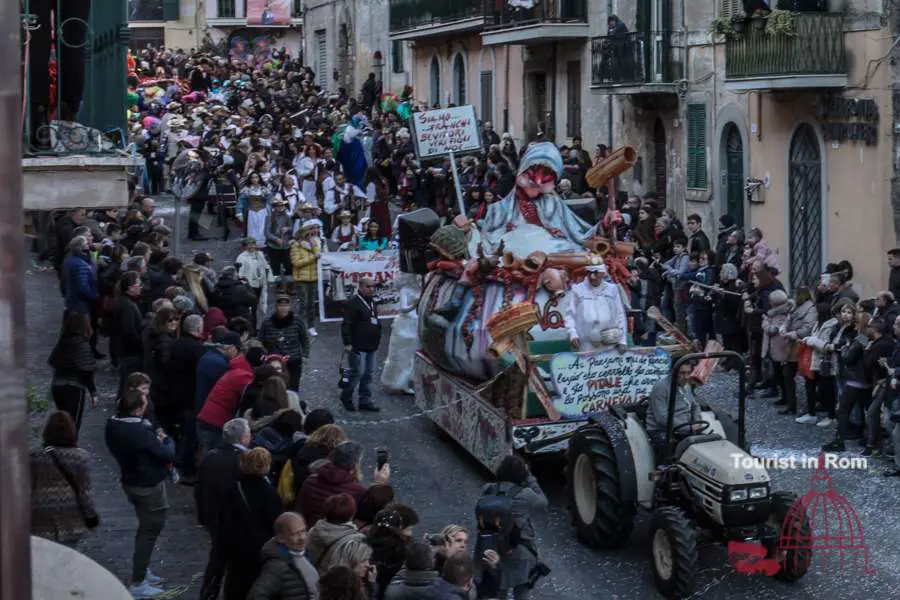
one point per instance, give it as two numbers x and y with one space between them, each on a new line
222 402
341 474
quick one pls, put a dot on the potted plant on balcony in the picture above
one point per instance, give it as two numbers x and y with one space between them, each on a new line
781 22
737 22
758 20
728 26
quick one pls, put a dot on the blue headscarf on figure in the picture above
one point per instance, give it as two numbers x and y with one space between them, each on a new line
569 232
350 152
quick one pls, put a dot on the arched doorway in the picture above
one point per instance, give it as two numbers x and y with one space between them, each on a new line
734 174
660 171
805 190
459 80
435 79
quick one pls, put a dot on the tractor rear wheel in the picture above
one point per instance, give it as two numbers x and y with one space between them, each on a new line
673 543
792 522
601 519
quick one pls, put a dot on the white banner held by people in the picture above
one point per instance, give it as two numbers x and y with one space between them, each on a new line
446 131
339 275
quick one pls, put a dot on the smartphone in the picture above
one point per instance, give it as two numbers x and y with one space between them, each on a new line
382 458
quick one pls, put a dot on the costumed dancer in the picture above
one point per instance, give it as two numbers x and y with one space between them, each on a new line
398 369
595 317
253 207
349 151
344 234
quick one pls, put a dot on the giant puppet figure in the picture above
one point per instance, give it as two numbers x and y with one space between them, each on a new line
532 248
349 150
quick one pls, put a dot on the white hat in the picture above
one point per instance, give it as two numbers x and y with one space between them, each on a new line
310 223
598 269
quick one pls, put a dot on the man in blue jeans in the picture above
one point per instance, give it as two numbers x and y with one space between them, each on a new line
361 332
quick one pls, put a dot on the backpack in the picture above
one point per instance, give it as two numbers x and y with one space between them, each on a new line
494 516
277 445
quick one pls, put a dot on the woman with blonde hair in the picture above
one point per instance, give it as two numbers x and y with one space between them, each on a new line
248 521
356 555
315 451
192 276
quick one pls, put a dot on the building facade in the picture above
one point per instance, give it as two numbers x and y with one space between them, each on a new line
169 23
237 24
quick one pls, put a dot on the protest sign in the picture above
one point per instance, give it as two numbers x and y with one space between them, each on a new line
589 382
339 275
446 131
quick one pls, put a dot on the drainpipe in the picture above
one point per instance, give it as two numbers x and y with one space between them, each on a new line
551 122
609 97
506 94
15 501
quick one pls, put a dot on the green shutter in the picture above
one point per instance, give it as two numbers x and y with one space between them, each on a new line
696 146
171 10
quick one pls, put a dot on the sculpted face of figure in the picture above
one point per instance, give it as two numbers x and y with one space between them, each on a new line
537 181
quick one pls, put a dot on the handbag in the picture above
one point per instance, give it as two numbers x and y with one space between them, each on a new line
804 361
343 373
91 520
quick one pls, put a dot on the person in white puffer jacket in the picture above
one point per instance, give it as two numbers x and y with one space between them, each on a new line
595 317
253 267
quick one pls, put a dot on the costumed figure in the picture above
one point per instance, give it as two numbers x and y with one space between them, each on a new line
308 172
344 234
398 369
595 316
349 151
534 201
253 207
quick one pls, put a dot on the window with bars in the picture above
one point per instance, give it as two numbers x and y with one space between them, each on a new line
487 95
397 56
696 146
226 9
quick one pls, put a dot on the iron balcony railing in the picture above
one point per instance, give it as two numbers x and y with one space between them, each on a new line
816 48
631 58
74 89
409 14
502 14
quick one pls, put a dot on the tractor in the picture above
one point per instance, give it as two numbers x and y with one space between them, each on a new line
691 485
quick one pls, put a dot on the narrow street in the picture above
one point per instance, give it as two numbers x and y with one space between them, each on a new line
442 482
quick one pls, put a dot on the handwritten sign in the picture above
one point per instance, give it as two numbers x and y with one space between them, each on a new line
588 383
440 132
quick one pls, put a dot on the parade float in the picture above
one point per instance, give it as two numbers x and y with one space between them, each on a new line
494 348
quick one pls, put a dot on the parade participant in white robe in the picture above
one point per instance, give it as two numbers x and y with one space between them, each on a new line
398 369
595 317
292 195
330 205
253 207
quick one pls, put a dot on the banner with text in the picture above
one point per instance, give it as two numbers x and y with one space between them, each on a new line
339 275
587 383
439 132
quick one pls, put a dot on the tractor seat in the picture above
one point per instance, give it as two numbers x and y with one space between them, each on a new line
690 440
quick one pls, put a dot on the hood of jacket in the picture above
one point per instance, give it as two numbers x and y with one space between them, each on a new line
414 579
444 590
240 363
333 475
328 533
781 309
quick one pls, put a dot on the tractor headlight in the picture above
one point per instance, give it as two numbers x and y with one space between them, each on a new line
758 493
737 495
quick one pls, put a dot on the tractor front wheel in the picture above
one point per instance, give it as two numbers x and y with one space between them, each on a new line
791 550
594 488
673 543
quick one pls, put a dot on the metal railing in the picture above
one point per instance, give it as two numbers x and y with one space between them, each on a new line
73 79
408 14
500 14
631 58
816 48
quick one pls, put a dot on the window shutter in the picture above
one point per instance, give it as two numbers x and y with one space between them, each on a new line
696 146
322 67
731 8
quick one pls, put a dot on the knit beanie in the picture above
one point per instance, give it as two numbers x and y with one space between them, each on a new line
347 455
730 271
778 297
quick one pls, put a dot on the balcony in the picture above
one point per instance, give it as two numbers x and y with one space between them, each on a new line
812 58
545 21
417 19
632 63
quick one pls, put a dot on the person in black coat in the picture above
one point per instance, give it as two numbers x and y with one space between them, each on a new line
233 296
218 474
894 277
157 364
186 353
698 241
727 311
726 226
250 509
73 368
128 326
361 333
286 334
